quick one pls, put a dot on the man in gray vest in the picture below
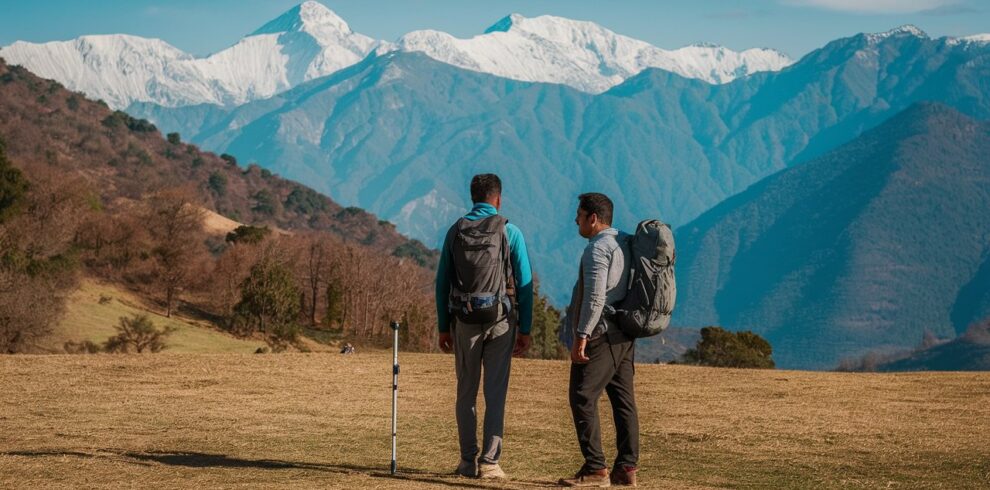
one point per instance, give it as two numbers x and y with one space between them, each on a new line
481 253
601 355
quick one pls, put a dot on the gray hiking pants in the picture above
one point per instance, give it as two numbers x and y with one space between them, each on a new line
477 346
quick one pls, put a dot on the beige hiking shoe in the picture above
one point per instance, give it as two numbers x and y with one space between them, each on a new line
490 471
467 468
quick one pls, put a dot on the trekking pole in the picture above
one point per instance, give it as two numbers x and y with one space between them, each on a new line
395 386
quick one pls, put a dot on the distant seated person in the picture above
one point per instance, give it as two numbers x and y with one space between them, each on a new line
347 349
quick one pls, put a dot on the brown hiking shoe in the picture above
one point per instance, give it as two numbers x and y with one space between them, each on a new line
623 475
587 478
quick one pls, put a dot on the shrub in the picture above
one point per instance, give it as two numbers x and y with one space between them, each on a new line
13 186
122 119
174 138
721 348
217 183
264 203
414 250
139 333
248 234
305 201
84 347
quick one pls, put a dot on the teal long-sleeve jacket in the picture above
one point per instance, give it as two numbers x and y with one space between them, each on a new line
521 271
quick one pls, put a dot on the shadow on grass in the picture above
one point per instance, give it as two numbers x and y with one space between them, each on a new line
207 460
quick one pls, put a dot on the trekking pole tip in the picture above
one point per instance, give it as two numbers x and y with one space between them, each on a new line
395 325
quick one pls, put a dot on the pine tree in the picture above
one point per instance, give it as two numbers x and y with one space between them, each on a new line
270 300
546 321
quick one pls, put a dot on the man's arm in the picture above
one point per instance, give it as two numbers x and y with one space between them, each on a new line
594 262
443 287
523 274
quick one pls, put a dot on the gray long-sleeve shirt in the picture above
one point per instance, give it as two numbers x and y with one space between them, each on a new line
605 278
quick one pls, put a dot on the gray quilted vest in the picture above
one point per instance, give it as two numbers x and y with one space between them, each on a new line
479 253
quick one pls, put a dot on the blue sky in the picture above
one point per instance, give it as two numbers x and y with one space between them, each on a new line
792 26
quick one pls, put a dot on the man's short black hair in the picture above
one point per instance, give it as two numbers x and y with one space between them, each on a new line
485 187
596 203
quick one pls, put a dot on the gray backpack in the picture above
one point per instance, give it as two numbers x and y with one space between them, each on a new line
649 301
479 253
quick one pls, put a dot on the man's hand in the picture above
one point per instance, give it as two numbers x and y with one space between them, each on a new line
446 342
522 345
577 353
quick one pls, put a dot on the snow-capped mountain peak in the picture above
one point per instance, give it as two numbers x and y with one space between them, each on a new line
310 17
902 31
310 41
505 23
306 42
581 54
547 26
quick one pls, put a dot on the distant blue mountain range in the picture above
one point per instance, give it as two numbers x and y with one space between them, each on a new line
864 249
401 134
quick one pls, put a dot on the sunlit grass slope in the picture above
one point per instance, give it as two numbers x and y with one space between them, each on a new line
90 318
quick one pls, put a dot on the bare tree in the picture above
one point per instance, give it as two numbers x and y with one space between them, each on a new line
320 266
37 267
229 272
176 229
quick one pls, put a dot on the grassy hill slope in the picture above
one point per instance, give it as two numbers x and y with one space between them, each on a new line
322 420
94 309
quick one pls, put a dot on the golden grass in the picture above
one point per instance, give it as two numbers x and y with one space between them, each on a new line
322 420
217 224
87 319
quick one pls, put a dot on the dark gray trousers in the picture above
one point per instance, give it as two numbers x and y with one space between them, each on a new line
490 347
610 369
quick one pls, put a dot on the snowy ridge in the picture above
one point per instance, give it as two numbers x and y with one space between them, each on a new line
977 38
904 30
309 41
582 54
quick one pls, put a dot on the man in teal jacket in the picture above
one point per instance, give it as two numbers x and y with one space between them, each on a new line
489 343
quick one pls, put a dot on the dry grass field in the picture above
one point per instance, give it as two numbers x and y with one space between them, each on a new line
322 420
